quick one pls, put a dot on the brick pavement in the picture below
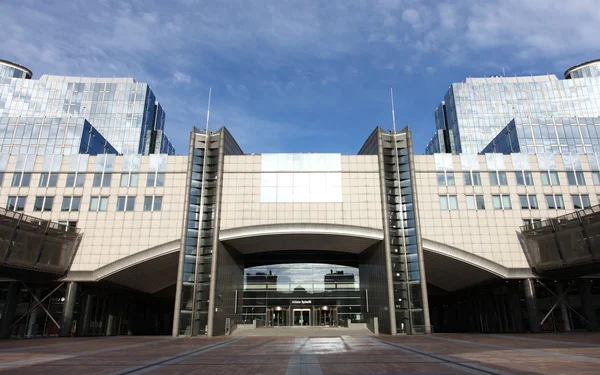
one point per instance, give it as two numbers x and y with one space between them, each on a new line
550 354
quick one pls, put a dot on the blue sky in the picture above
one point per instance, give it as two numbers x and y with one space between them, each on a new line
299 76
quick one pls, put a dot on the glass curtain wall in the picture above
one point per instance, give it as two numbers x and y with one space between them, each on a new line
280 295
406 276
198 241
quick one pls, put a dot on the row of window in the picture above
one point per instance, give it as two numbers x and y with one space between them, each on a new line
525 178
73 203
77 179
526 201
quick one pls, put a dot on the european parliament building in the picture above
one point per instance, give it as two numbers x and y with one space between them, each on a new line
128 240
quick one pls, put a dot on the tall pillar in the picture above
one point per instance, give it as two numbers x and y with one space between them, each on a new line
10 307
84 315
587 302
33 313
68 308
531 303
514 303
110 322
564 309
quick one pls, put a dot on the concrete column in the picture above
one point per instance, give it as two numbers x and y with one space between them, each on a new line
84 316
531 303
110 322
10 307
587 303
68 308
514 303
564 309
33 314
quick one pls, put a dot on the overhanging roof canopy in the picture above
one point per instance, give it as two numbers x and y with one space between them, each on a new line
148 271
284 237
452 269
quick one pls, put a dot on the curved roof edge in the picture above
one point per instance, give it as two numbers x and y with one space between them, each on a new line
15 65
300 228
476 260
579 66
124 263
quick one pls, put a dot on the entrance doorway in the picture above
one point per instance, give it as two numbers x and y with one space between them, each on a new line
301 317
326 316
278 317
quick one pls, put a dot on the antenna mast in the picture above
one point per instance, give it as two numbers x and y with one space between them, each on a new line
393 113
208 110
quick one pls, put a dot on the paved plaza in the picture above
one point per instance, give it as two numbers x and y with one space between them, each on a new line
575 353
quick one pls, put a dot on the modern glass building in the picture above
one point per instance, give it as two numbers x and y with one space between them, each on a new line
125 112
475 111
552 135
385 240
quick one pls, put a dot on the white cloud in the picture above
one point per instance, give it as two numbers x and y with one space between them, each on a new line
179 77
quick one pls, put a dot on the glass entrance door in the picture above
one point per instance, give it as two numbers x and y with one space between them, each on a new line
278 318
301 317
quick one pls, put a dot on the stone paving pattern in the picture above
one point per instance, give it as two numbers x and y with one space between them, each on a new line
573 353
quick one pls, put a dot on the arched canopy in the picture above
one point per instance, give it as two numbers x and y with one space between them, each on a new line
148 271
452 269
317 237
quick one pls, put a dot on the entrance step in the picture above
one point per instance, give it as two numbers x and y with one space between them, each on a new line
355 330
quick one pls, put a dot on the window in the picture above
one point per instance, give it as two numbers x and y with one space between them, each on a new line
472 178
125 203
102 179
524 178
152 203
532 222
75 179
129 180
21 179
575 178
43 204
596 178
70 204
550 178
158 179
68 223
448 202
48 179
501 202
475 202
1 177
555 201
580 201
16 203
98 203
528 202
445 178
498 178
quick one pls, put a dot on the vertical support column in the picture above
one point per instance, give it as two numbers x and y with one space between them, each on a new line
8 315
564 310
84 315
587 302
110 322
531 302
33 313
514 303
68 308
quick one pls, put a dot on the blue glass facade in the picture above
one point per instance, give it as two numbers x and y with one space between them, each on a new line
551 135
476 110
124 111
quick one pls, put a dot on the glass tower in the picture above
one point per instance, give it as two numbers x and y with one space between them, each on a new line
123 111
475 111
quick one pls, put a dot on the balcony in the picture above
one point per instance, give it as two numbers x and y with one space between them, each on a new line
564 246
35 249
